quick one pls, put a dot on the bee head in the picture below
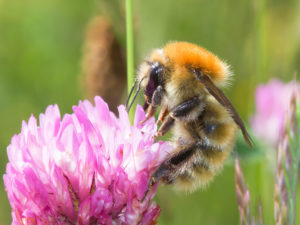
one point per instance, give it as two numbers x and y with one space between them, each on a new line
155 78
152 72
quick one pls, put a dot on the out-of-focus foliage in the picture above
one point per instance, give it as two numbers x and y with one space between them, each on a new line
40 52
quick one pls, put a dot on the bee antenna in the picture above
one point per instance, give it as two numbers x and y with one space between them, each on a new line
135 94
130 93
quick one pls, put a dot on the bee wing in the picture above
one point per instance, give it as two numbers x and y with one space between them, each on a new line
223 100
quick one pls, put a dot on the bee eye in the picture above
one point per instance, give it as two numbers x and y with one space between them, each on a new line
156 78
156 68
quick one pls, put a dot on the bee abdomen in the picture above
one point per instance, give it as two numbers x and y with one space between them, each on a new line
199 175
215 157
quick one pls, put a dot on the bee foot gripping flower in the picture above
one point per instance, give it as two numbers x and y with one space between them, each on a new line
88 168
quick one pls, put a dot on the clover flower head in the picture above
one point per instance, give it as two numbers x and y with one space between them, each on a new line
89 167
272 104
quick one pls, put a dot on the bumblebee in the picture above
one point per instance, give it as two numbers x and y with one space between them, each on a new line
184 80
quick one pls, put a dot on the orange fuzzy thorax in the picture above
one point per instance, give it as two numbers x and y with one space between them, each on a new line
187 54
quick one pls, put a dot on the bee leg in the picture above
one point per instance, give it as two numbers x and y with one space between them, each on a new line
172 164
181 110
146 103
166 125
157 96
158 174
150 112
168 170
155 101
184 108
162 115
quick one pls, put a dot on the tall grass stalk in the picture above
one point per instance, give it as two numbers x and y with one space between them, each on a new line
247 217
243 195
129 49
288 167
129 45
293 136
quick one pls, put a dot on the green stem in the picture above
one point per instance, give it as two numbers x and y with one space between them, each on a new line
129 45
129 49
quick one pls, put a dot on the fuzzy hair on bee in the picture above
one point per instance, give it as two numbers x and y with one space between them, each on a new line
184 80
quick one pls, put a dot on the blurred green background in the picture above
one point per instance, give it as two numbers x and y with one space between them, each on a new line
41 48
